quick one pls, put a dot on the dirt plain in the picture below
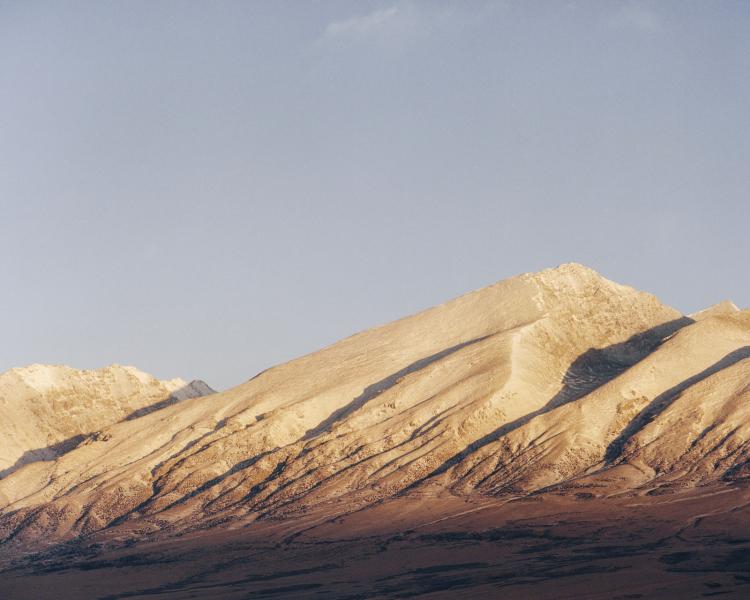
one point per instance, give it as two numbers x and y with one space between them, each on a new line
653 543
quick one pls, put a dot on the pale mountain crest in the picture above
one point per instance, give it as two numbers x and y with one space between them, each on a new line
46 410
179 390
549 379
720 308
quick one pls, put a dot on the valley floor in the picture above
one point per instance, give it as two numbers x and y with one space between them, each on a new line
692 543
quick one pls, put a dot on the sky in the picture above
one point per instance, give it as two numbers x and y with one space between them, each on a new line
207 189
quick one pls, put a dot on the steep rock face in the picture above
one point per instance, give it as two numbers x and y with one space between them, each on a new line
46 410
553 379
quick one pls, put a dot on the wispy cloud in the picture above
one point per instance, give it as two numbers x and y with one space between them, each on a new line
360 26
407 20
635 16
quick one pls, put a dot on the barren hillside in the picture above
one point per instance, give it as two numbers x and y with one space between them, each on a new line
559 382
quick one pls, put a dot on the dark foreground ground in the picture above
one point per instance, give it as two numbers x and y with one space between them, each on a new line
690 544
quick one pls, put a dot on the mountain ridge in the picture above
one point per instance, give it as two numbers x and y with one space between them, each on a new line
541 380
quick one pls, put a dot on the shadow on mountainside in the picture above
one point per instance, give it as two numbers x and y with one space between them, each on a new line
173 398
659 404
371 391
590 371
55 451
147 410
44 454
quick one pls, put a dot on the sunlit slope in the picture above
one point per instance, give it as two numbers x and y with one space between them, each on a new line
47 410
395 408
680 408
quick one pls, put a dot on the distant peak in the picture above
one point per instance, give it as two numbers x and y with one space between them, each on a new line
194 389
722 308
42 377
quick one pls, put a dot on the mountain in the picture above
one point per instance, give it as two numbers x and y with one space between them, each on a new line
553 387
48 410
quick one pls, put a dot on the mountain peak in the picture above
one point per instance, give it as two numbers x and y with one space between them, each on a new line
576 279
721 308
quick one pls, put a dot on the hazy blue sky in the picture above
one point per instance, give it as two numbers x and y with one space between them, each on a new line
204 190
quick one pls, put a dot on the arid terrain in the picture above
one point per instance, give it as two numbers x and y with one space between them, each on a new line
555 435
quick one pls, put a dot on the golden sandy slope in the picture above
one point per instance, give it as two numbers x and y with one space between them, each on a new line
560 378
